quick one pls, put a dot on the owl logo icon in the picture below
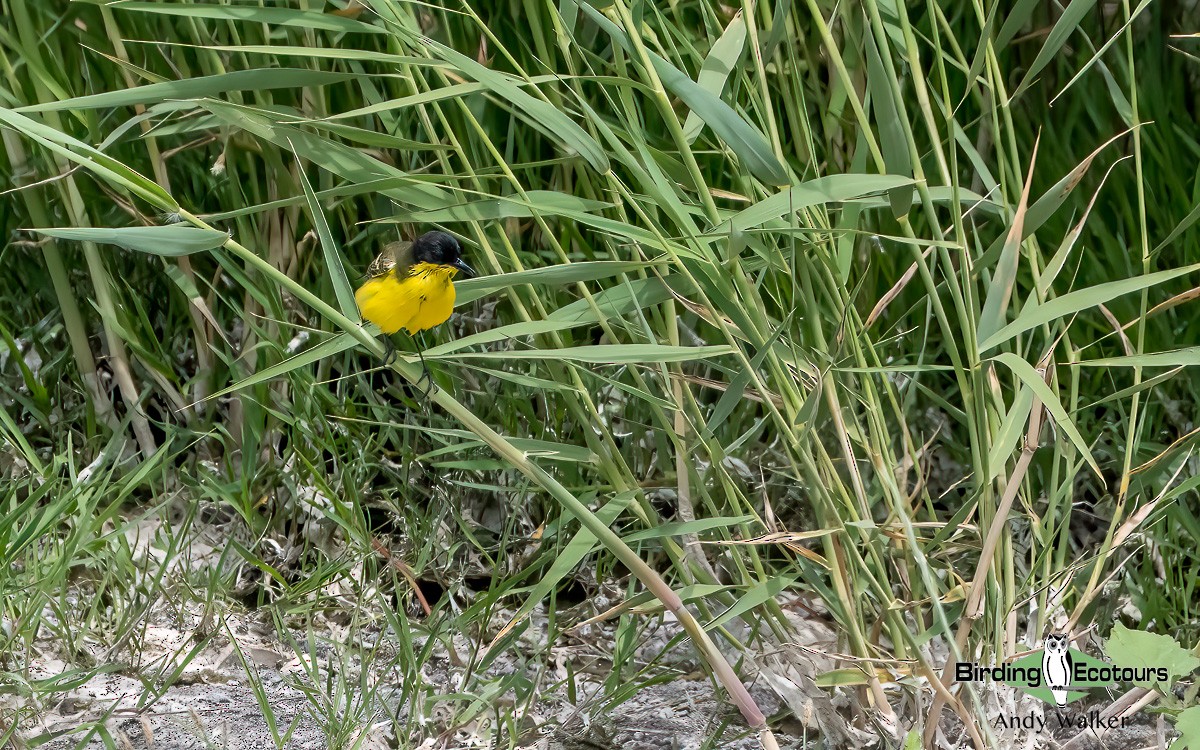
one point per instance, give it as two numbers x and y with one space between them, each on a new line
1056 666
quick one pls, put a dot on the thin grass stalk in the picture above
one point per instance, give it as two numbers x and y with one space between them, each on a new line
1135 423
72 318
200 333
974 608
101 283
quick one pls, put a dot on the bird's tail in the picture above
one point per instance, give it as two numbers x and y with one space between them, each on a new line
1060 696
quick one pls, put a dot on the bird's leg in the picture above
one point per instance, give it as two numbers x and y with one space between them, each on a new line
424 370
425 374
390 351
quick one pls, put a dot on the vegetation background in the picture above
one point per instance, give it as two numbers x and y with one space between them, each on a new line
900 296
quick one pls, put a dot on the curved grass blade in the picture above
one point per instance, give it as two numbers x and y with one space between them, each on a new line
540 203
1030 377
538 113
757 595
1081 299
579 547
743 139
1186 357
274 16
1000 289
262 79
333 256
470 290
1067 23
334 345
605 354
829 189
95 160
717 66
170 241
511 331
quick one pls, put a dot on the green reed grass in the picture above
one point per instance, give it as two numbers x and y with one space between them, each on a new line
826 259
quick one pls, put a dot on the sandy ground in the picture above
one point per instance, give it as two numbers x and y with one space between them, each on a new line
211 703
186 679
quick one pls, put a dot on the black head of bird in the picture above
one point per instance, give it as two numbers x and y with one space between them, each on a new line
440 249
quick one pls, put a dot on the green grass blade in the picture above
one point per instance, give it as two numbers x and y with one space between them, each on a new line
714 72
170 241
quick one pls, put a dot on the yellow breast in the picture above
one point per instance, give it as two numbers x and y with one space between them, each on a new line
420 299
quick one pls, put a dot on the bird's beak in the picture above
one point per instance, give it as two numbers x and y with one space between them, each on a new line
464 269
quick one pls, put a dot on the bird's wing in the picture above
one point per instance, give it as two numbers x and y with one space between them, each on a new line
387 258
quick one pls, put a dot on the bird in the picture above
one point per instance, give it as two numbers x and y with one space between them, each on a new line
1056 666
410 286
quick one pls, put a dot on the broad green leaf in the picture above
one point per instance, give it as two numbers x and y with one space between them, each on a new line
1186 357
829 189
1017 19
172 240
1029 376
985 50
618 301
502 333
893 140
1004 275
714 72
779 28
1187 723
1139 649
470 290
553 451
1014 427
87 156
756 596
609 354
275 16
540 203
261 79
1081 299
